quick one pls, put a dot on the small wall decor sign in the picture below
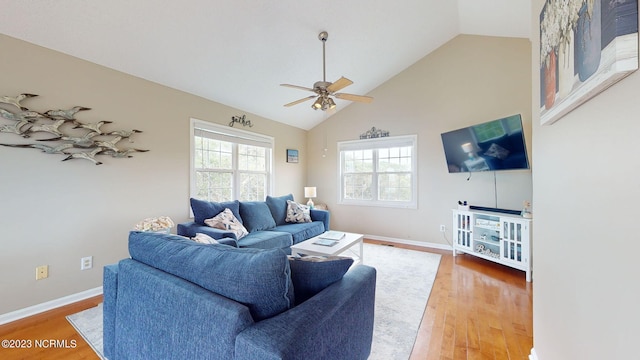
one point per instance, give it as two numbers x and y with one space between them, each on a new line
292 155
374 133
242 120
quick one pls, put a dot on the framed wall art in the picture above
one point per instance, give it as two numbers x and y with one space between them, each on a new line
292 156
585 47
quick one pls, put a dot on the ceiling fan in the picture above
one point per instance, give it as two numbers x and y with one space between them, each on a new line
324 90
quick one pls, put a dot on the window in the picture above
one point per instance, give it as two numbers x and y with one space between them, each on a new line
229 164
379 172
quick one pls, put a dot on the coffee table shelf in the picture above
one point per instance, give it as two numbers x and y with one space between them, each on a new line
349 243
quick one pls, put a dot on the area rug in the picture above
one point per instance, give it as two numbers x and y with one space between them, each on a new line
404 281
88 324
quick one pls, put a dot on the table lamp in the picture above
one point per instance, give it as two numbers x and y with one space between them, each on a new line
468 148
310 192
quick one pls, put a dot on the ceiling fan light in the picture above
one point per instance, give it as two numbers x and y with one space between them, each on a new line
332 104
317 105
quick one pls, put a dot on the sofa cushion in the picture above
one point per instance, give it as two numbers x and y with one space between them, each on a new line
302 231
297 213
256 216
227 221
311 274
278 207
259 279
267 240
203 210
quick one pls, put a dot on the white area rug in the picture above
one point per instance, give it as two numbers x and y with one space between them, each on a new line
88 324
404 281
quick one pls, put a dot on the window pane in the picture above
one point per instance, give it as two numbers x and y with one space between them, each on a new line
251 158
212 154
394 187
253 187
394 159
488 131
214 186
358 186
358 161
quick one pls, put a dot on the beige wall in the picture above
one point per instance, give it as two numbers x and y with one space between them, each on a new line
586 293
469 80
54 212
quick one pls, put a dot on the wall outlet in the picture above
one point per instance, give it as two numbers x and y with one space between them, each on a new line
86 263
42 272
443 228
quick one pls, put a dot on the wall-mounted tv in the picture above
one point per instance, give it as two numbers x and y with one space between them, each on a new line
494 145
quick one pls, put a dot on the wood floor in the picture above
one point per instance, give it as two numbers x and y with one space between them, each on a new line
476 310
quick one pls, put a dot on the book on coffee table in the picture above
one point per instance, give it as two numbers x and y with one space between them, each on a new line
325 242
332 235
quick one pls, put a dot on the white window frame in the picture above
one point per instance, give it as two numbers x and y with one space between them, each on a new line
237 136
375 144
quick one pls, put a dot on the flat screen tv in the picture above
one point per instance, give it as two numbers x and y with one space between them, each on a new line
494 145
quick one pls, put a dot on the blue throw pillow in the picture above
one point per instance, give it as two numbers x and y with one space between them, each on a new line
278 207
311 274
203 210
257 278
256 216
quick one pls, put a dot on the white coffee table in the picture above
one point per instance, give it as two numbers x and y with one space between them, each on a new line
347 243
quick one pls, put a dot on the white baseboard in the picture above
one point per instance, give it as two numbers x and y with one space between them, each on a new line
49 305
410 242
533 355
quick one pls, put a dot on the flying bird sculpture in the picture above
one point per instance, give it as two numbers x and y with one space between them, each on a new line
15 100
91 156
95 127
49 128
16 128
85 143
68 114
30 116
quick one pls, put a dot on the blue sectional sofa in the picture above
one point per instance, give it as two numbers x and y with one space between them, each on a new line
265 221
178 299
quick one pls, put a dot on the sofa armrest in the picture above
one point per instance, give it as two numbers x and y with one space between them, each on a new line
109 291
337 323
189 229
320 215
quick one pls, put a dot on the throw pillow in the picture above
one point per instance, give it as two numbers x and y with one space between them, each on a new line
297 213
497 151
203 210
256 216
226 221
278 207
204 239
311 274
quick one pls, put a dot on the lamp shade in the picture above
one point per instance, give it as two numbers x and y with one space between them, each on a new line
310 191
467 147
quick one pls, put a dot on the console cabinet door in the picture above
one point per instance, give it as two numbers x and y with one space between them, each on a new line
515 241
462 233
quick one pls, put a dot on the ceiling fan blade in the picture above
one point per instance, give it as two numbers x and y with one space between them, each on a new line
299 101
298 87
341 83
351 97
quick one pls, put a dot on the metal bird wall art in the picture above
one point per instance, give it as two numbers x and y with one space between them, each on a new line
73 138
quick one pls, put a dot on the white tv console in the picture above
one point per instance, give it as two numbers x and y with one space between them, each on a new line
494 236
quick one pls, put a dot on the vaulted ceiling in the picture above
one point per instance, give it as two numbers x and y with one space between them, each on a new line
237 52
